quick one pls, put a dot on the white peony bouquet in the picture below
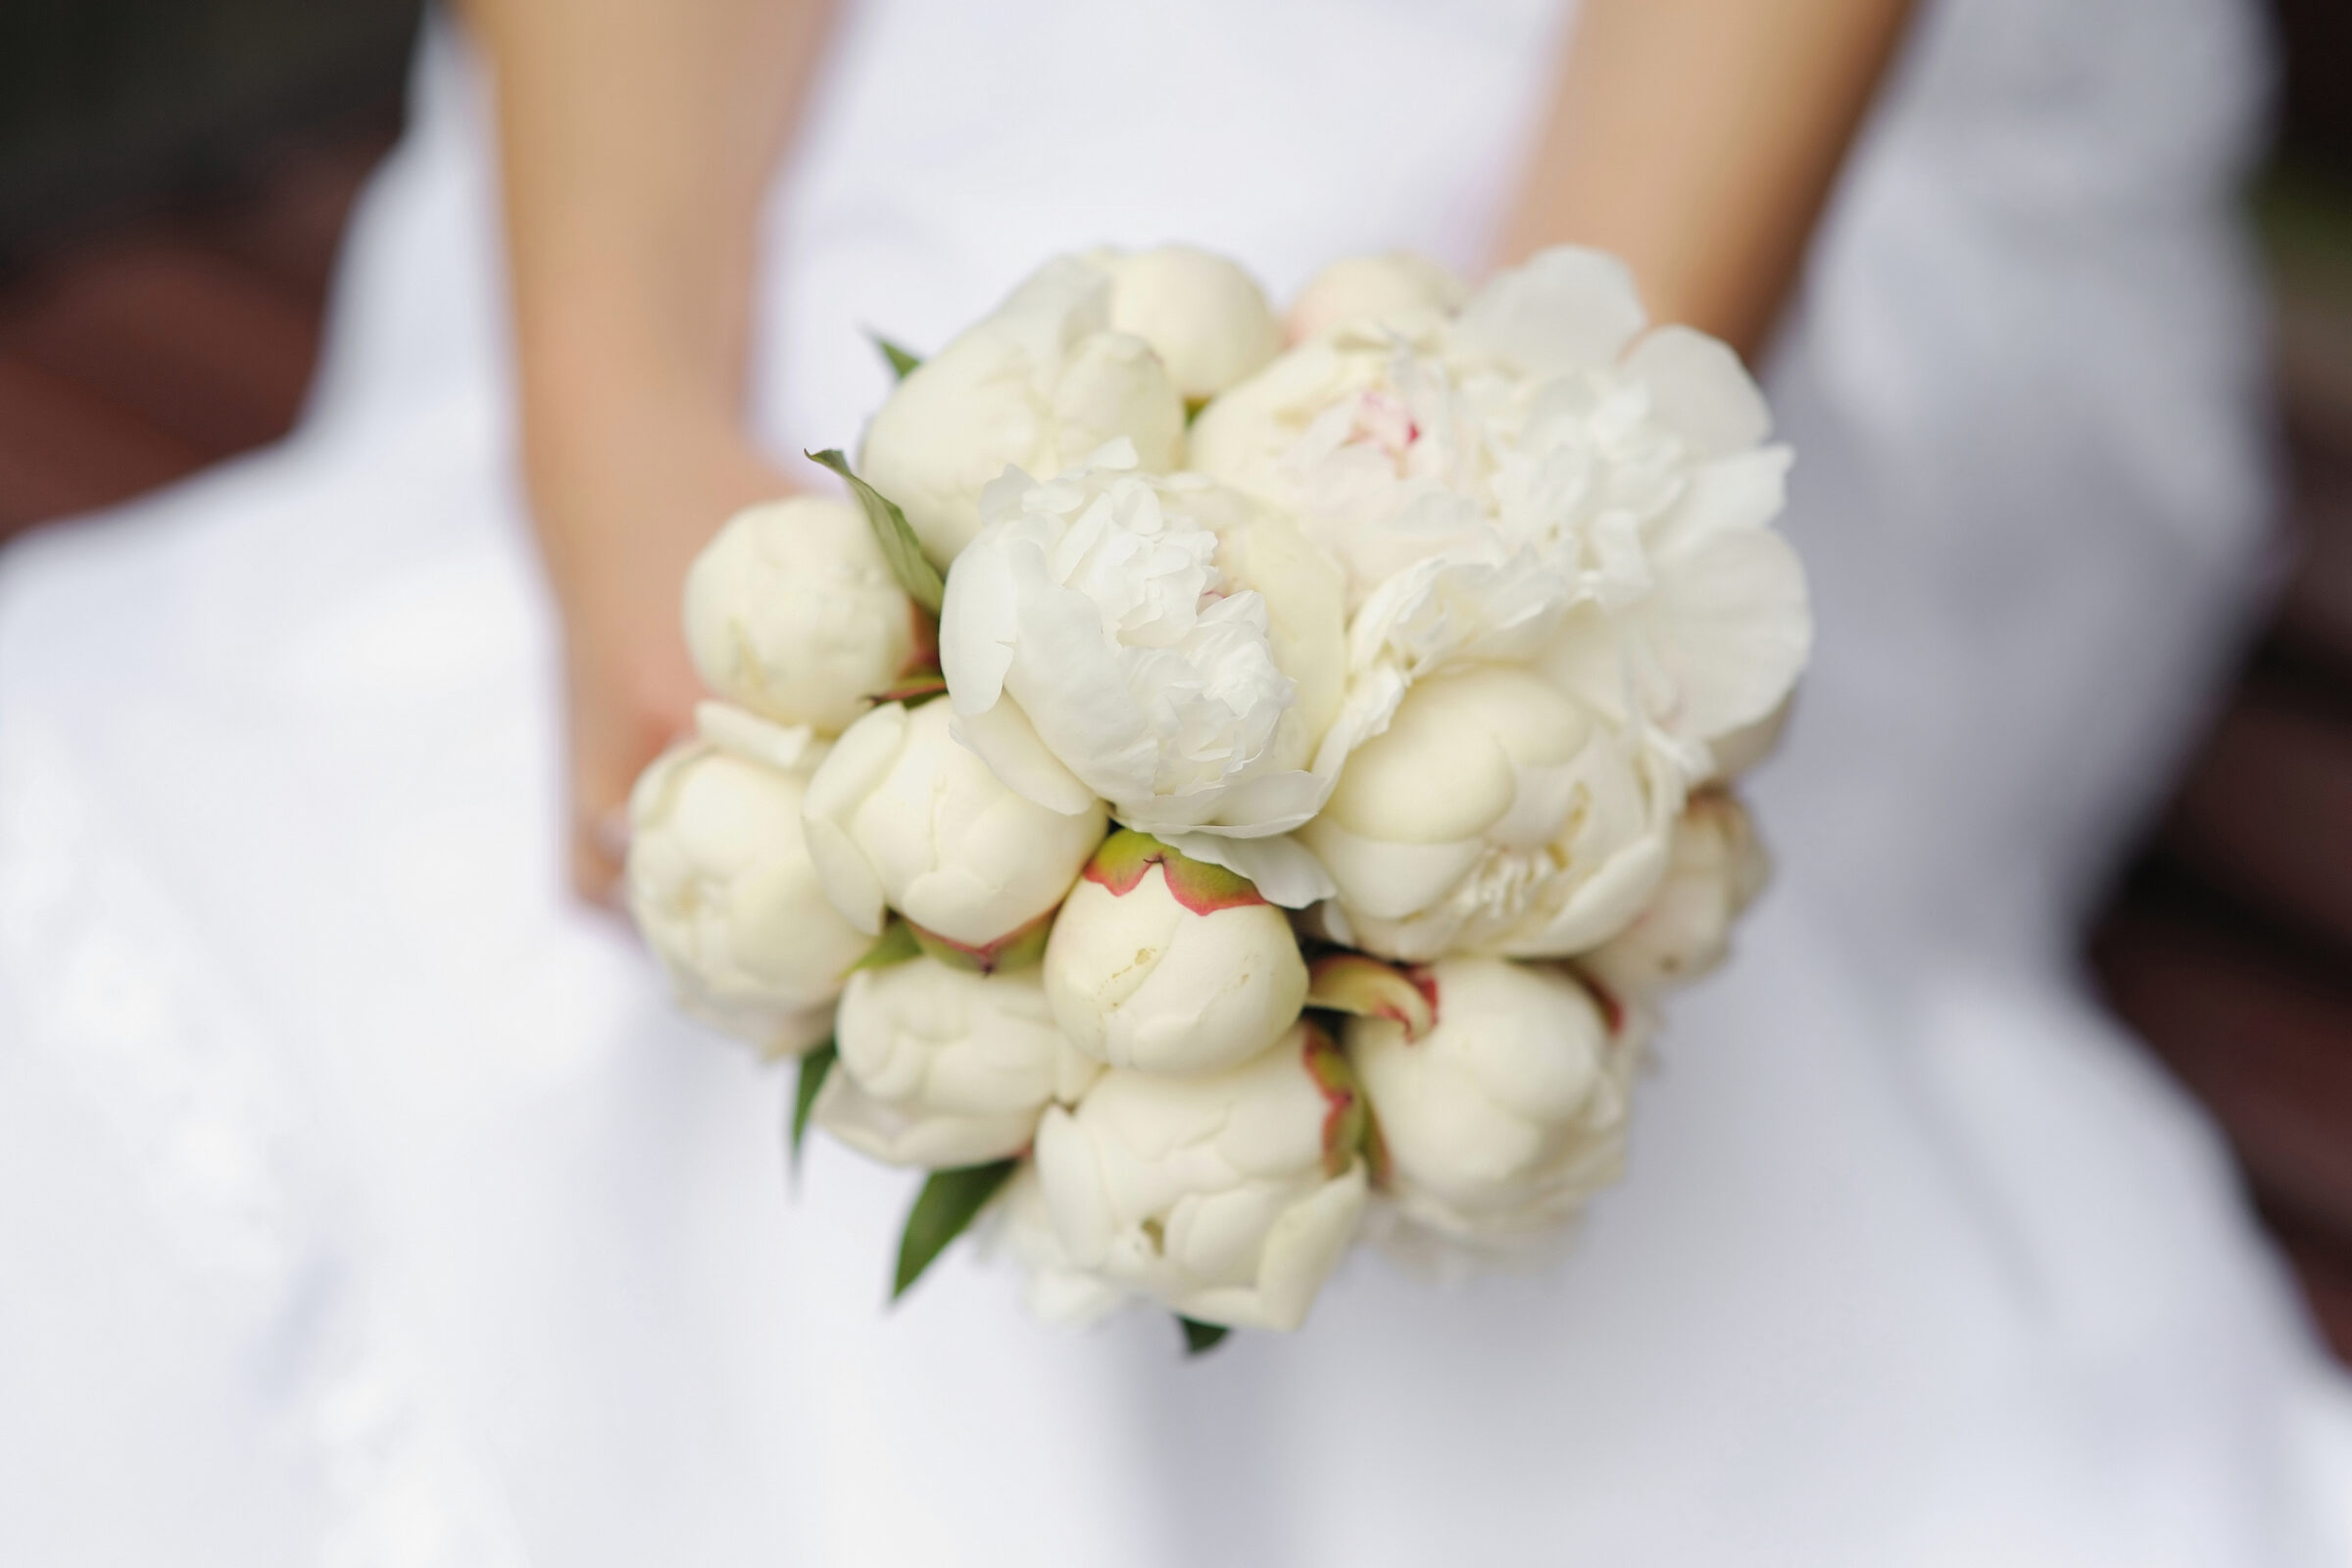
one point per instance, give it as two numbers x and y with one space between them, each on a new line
1219 789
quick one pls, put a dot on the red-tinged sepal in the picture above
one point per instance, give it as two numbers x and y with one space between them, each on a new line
1204 889
916 687
1015 949
1366 988
1349 1133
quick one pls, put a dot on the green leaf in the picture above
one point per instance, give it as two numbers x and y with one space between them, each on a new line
902 363
814 1068
1200 1337
949 1200
901 550
896 944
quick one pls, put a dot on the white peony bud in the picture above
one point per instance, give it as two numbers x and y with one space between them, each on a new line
792 612
903 816
1037 385
1714 870
1163 964
1203 315
1360 288
720 884
1495 814
940 1066
1503 1117
1228 1198
1100 638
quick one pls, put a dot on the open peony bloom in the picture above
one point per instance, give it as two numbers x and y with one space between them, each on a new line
1542 422
720 884
1154 641
939 1066
1504 1116
1161 963
1714 870
901 816
1495 814
1205 318
792 612
1037 384
1229 1198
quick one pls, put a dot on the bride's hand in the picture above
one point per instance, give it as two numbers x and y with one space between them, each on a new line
619 521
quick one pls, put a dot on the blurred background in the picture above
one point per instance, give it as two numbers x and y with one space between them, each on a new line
175 176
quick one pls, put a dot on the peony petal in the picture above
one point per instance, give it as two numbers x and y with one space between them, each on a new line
1389 881
1732 627
1698 387
745 734
979 623
1002 738
1565 308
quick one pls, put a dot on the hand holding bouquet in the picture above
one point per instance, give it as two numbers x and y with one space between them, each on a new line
1207 801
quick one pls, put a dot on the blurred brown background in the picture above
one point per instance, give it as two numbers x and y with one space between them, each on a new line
175 176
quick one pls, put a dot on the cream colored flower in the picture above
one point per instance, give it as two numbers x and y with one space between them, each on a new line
1154 641
1160 962
1222 1197
940 1066
1495 814
1503 1118
1371 288
903 816
720 884
1038 384
1203 315
1714 870
792 613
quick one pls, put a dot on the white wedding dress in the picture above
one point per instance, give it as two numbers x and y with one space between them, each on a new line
365 1203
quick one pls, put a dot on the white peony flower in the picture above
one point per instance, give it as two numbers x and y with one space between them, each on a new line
1057 1291
1543 424
1505 1117
902 815
1361 288
720 884
1203 315
1495 814
1163 964
1038 384
1228 1198
1154 641
790 613
940 1066
1714 870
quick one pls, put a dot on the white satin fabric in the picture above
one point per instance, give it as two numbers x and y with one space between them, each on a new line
365 1203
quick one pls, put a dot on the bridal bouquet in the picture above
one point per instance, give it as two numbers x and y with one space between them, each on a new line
1222 788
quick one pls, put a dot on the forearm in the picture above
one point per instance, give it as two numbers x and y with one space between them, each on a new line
1698 140
636 141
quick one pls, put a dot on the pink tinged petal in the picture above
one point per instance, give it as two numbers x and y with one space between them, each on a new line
1566 309
1285 870
1002 738
1366 988
1698 387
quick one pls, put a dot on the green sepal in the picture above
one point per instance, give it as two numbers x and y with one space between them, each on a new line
915 688
942 1209
1020 948
897 944
1204 889
1200 1337
814 1068
901 364
901 550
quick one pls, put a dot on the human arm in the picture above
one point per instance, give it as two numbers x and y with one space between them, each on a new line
1700 139
636 139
